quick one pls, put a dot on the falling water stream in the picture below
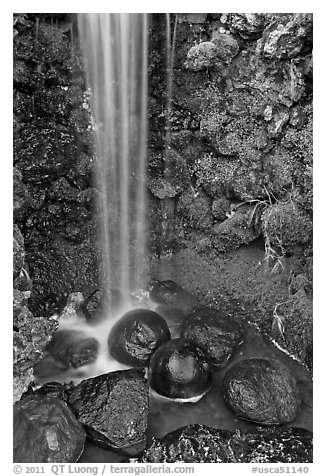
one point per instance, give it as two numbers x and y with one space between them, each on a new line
115 52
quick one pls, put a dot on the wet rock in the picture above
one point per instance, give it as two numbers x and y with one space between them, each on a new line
136 336
53 389
18 252
46 431
179 370
170 293
73 348
195 207
236 230
284 39
202 444
217 335
247 25
226 46
279 445
262 390
20 195
48 304
191 444
113 408
99 302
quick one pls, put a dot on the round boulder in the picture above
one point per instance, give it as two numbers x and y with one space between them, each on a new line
261 390
73 348
46 431
217 335
136 336
179 370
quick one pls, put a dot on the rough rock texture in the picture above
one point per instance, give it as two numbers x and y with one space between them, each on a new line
72 348
262 390
179 369
170 293
136 336
216 334
113 408
202 444
46 431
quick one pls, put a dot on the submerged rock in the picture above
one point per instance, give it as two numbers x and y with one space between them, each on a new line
46 431
202 444
113 408
136 336
73 348
179 370
218 336
262 390
170 293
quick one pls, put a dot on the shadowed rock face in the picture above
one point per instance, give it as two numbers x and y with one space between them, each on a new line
170 293
113 408
262 390
179 370
217 335
46 431
136 336
202 444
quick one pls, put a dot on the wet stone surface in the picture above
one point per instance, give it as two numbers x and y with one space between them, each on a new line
179 370
170 293
262 390
217 335
113 408
46 431
136 336
73 349
202 444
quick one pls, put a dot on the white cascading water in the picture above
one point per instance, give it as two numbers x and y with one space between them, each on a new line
115 51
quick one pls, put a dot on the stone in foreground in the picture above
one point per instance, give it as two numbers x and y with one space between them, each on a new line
217 335
179 370
202 444
113 408
261 390
136 336
46 431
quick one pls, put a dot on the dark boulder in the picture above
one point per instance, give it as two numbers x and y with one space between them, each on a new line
262 390
136 336
46 431
191 444
179 370
73 348
170 293
53 389
113 408
99 302
279 445
202 444
217 335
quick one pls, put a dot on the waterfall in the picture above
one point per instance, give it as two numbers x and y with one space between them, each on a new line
115 52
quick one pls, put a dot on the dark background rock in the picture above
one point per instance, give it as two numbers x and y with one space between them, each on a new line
262 390
46 431
217 335
170 293
73 348
136 336
113 408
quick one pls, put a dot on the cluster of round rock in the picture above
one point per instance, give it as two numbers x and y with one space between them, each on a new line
180 368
